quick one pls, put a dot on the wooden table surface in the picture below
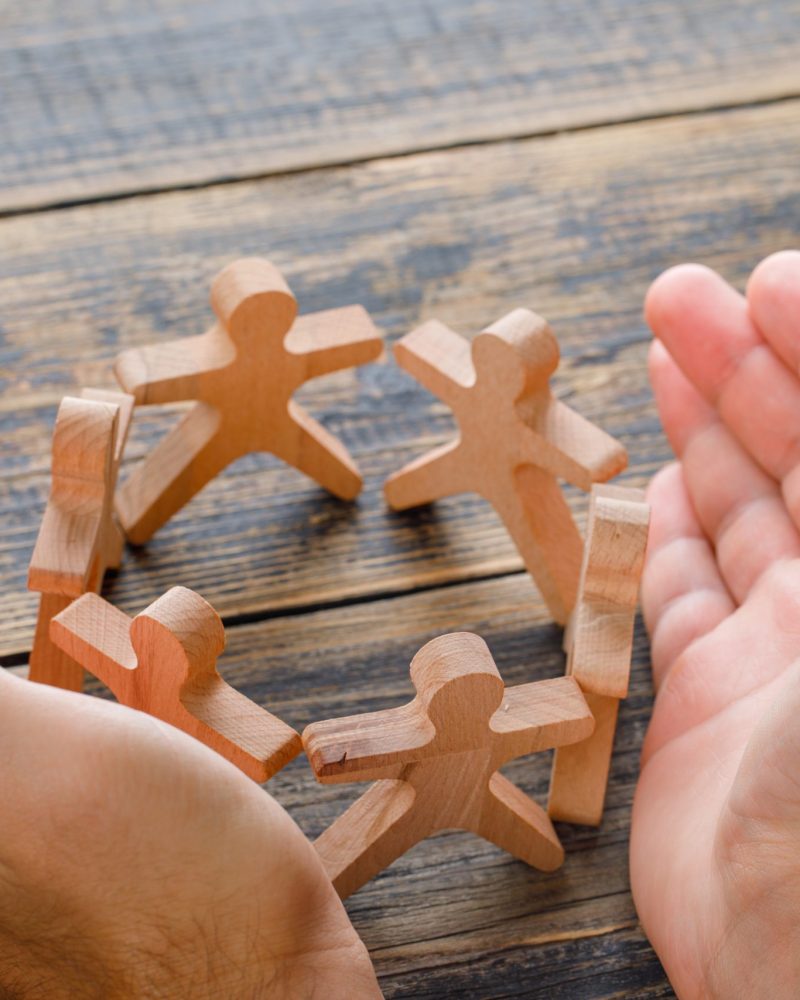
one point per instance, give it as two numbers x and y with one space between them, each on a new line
448 159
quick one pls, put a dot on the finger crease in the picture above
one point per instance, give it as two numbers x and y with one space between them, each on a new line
740 509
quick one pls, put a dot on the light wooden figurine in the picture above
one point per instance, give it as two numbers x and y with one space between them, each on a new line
515 441
242 374
435 762
599 644
79 538
163 662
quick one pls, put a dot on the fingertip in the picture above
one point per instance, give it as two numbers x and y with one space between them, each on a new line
773 272
673 289
773 296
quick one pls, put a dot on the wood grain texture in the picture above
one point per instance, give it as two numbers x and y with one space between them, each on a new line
457 916
435 762
100 99
241 376
598 643
574 226
515 441
164 662
79 537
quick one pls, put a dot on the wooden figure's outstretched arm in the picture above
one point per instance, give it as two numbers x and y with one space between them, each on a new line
180 465
439 359
313 450
574 449
125 403
97 635
599 657
539 716
376 830
334 339
441 473
518 825
168 373
112 544
367 747
249 736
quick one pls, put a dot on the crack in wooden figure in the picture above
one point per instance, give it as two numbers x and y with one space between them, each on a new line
515 440
242 374
599 644
435 760
163 662
79 538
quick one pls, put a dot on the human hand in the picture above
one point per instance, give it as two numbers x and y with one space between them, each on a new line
135 862
715 840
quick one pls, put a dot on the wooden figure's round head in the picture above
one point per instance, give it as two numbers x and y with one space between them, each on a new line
180 633
83 439
516 355
459 686
251 299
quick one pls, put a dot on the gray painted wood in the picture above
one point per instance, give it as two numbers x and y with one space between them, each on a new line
106 98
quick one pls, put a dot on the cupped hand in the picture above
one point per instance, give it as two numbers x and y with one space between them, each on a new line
715 842
135 862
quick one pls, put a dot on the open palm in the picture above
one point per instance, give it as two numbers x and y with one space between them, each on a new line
715 843
134 861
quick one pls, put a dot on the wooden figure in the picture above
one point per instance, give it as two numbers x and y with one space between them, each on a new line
79 537
599 646
242 374
435 762
163 662
515 440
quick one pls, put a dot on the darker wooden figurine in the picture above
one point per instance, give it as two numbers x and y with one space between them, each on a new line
163 662
435 762
515 441
242 373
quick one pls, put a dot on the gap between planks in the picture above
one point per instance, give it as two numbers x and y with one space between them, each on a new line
333 163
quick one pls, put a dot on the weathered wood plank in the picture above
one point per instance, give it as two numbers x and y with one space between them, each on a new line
575 226
102 99
456 916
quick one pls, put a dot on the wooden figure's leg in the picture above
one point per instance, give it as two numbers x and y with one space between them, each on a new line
48 664
376 830
540 523
249 736
180 465
580 770
430 477
114 545
518 825
314 451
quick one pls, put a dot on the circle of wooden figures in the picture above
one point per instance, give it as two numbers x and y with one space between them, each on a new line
433 763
